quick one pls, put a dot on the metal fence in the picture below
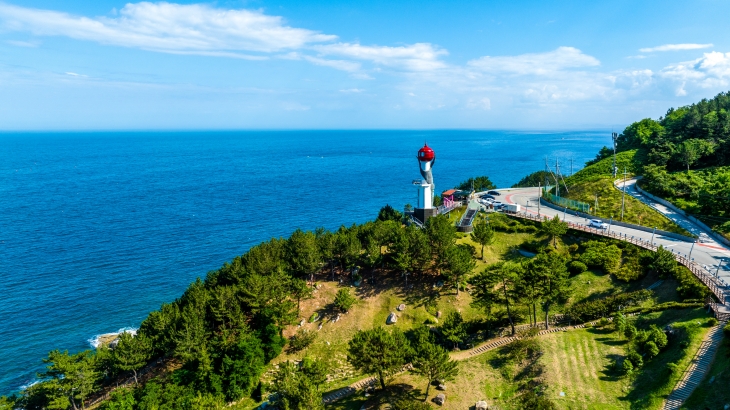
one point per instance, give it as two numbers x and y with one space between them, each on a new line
567 203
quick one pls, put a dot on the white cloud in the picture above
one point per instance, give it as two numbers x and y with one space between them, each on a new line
168 27
19 43
343 65
546 63
675 47
414 57
712 70
352 90
479 103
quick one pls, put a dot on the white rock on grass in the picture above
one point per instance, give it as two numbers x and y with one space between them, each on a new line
392 318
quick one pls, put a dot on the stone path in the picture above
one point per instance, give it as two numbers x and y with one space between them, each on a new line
697 369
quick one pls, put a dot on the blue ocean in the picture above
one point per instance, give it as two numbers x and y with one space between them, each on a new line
99 228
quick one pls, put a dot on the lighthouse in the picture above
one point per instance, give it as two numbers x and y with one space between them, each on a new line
424 205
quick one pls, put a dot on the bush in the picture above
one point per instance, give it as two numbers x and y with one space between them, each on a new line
583 312
577 267
602 255
635 359
344 300
726 330
314 317
301 340
627 367
651 348
712 322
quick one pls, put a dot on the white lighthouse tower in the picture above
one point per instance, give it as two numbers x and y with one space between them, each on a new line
424 208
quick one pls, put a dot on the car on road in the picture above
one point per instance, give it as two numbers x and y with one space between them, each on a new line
497 204
704 238
496 193
598 224
486 196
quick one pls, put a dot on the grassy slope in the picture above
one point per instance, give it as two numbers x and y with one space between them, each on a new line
597 179
714 395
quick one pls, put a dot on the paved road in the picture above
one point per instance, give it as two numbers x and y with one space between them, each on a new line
707 255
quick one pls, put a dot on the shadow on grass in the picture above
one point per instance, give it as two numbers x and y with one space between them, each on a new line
612 342
609 373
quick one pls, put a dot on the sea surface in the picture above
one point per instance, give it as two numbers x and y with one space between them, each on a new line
99 228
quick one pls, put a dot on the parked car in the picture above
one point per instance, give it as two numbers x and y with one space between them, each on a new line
486 196
496 193
497 204
598 224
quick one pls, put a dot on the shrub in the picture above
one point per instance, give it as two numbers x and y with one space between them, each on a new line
573 248
651 349
344 300
726 330
301 340
585 311
712 322
627 367
635 359
314 317
602 255
577 267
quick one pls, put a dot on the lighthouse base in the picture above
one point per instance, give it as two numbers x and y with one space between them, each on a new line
423 214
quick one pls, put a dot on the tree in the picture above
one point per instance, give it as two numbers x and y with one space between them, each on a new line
131 353
454 329
300 290
344 300
295 389
692 150
482 234
303 253
326 242
442 235
482 183
348 247
377 351
554 228
620 323
497 284
663 262
242 365
553 276
433 363
69 378
388 213
459 262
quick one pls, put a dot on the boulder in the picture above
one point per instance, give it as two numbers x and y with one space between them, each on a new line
438 315
440 399
441 387
392 318
401 307
481 405
302 323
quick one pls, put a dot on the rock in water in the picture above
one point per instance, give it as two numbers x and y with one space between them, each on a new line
392 318
401 307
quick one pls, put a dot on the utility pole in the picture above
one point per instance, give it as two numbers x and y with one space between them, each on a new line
614 136
596 207
557 175
571 166
539 196
623 194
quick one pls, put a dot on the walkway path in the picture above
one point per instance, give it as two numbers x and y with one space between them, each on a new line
697 370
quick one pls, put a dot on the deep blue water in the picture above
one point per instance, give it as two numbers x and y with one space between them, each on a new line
98 229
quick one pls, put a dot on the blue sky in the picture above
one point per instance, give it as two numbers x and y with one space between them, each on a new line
77 65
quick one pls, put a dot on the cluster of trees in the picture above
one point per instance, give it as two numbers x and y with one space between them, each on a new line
478 184
704 192
225 329
542 281
384 353
644 343
697 134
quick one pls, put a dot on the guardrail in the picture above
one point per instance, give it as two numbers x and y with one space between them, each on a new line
707 279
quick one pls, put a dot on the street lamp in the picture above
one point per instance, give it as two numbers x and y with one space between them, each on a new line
652 235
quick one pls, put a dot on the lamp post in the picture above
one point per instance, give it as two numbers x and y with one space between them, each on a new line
652 235
690 251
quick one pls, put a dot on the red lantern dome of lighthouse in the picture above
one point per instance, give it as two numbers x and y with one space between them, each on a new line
426 153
